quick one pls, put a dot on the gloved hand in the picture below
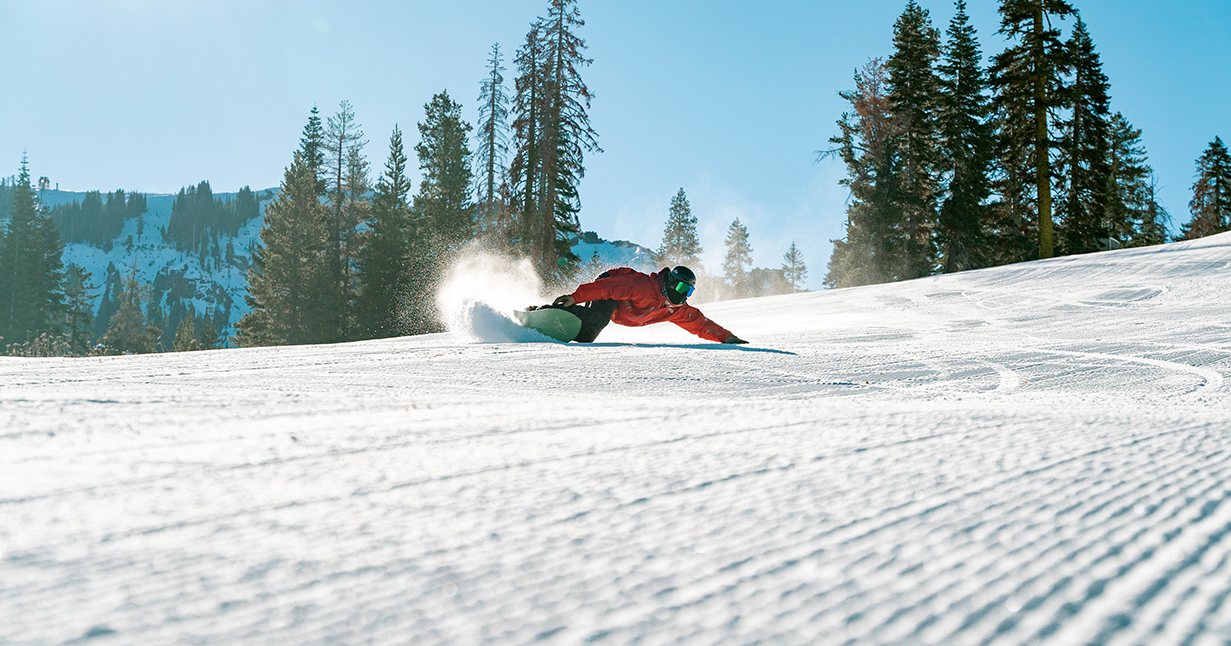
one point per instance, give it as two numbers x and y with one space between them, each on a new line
564 301
733 339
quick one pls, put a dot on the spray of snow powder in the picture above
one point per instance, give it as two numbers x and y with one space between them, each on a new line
480 292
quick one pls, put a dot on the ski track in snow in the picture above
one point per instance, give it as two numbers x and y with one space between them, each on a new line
1038 453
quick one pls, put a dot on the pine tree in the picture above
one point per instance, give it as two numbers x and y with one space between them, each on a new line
443 201
914 92
793 268
156 315
593 267
525 170
186 333
552 134
345 176
32 300
1133 214
493 147
355 210
443 215
680 245
866 144
292 293
79 311
1085 149
1028 76
209 333
384 259
1155 221
312 147
738 259
128 331
965 149
107 306
1211 203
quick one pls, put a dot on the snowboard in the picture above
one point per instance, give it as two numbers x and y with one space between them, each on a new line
558 324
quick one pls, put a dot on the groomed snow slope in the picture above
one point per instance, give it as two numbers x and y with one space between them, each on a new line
1038 453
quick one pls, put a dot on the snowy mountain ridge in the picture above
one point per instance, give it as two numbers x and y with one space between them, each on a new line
1029 454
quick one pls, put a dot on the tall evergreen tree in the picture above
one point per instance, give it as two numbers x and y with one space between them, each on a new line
1211 203
186 333
345 176
443 212
210 334
1028 81
312 147
680 245
355 210
128 331
738 259
1085 149
1133 214
1155 222
112 284
866 144
384 259
966 148
525 170
32 298
79 311
156 315
914 93
793 268
443 201
552 134
292 292
493 147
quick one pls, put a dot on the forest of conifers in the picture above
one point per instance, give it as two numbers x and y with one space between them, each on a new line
953 165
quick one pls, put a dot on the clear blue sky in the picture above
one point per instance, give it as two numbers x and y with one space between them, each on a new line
726 99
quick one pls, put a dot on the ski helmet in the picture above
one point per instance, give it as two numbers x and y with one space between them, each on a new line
679 284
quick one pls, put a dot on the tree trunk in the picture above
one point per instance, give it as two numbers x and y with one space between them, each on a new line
1041 147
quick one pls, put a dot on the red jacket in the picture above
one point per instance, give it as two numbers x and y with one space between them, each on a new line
640 301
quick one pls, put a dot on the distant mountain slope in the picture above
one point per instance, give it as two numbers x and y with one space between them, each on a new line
205 282
208 283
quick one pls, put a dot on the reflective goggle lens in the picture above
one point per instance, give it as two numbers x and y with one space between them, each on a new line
684 288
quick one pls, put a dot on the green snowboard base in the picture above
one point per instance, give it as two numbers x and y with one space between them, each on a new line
558 324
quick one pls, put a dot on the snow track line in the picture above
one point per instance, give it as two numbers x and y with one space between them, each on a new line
1213 380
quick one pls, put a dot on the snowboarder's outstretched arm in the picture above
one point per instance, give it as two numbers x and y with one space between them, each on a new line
691 319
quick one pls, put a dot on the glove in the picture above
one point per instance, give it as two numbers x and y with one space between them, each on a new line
733 339
564 301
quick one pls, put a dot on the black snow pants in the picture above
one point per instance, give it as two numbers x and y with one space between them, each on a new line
594 316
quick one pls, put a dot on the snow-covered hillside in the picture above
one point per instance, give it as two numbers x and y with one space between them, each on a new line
1038 453
200 282
152 256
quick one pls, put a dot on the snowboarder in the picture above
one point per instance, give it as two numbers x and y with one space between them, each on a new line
629 297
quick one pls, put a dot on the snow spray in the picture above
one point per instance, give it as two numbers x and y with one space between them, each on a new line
480 292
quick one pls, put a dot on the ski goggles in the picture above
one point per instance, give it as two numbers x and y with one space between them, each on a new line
684 288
